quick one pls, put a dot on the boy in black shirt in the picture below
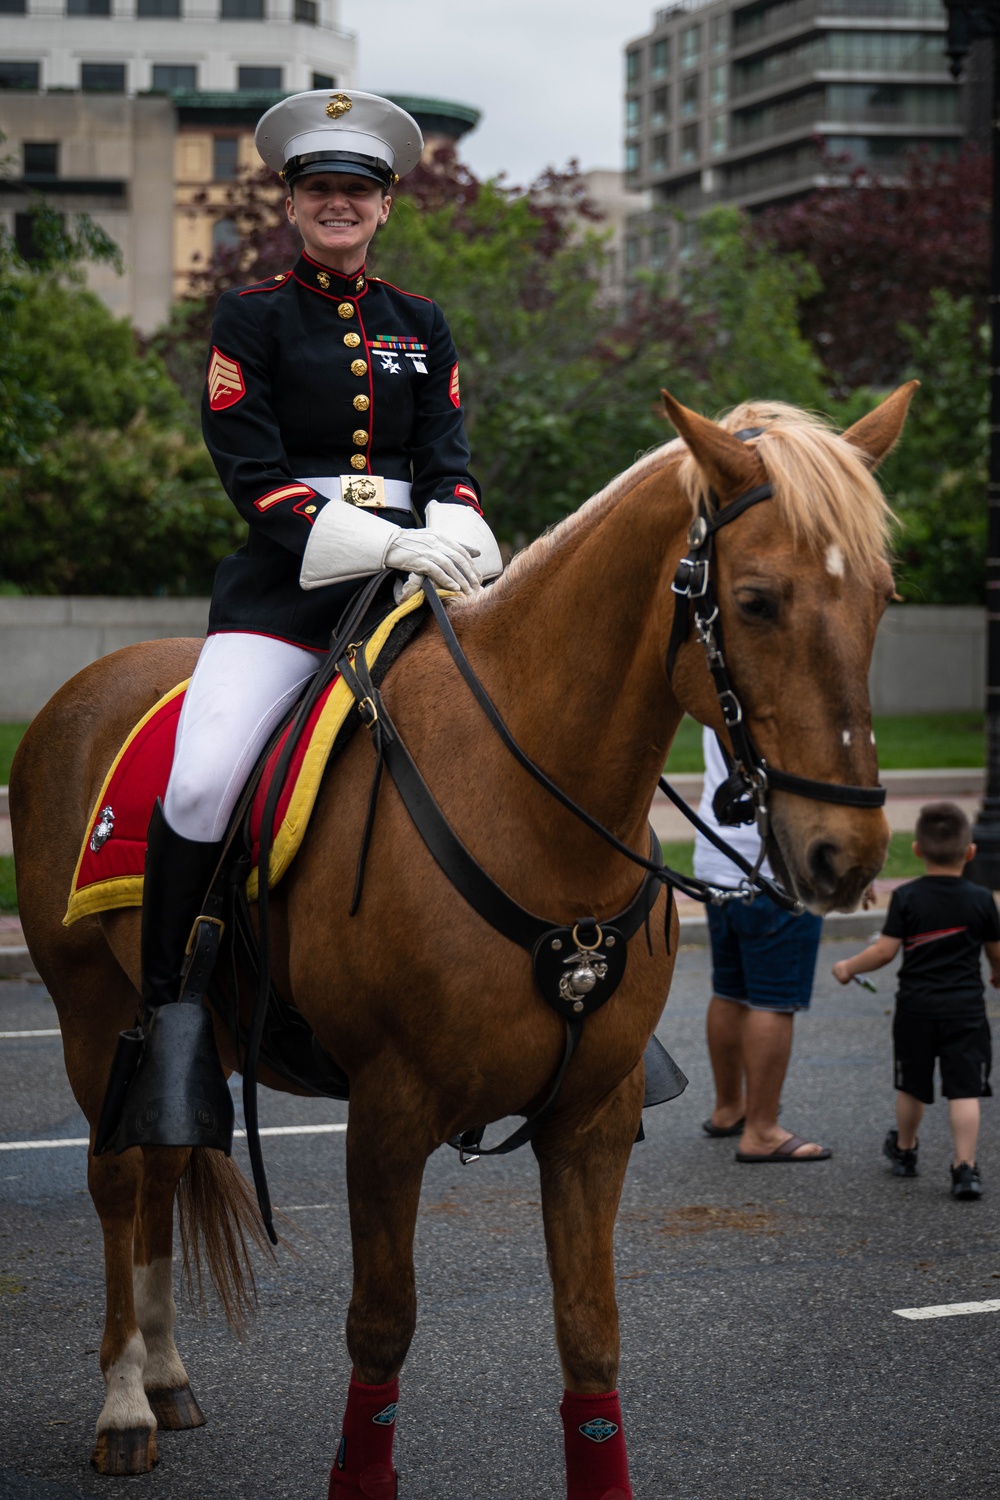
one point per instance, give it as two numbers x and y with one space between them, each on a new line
942 921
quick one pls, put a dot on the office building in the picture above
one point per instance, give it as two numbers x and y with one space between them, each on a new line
736 101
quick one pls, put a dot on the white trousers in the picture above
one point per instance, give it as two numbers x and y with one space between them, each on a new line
242 687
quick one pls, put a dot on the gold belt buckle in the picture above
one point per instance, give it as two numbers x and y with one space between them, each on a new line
365 490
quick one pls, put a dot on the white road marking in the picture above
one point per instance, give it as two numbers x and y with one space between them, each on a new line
9 1036
949 1309
82 1140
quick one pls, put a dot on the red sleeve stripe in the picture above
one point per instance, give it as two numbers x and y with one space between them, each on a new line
465 492
287 492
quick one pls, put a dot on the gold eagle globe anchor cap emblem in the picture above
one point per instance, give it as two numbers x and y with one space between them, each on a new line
339 105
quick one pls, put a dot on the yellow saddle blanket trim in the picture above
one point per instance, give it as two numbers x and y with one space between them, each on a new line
126 890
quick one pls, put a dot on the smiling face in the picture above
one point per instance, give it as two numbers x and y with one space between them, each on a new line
337 216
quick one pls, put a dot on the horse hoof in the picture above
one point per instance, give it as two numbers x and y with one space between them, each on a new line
131 1450
176 1410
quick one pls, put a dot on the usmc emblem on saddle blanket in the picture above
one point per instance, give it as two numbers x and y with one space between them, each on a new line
103 829
578 968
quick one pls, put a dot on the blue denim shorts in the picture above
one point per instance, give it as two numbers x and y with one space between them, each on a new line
762 956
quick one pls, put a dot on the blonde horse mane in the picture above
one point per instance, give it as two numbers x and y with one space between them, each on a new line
824 490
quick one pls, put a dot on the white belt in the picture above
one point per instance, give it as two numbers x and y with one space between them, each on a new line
369 491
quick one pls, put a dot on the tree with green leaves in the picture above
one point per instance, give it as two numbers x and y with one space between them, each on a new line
105 486
937 478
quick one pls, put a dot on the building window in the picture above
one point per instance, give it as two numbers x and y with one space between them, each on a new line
242 10
661 58
633 114
13 7
41 158
169 8
719 84
690 46
659 248
258 80
88 7
24 236
633 252
224 234
719 33
718 135
689 143
324 81
661 105
20 75
660 153
633 68
631 159
225 157
167 77
307 11
690 94
102 78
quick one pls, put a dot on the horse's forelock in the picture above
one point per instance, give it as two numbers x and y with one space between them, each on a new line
823 487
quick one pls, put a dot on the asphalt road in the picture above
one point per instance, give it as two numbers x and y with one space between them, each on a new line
762 1355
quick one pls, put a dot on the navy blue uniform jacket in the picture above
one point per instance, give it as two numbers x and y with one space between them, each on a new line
314 374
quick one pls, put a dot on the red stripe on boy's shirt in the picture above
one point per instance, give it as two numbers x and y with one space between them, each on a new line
931 937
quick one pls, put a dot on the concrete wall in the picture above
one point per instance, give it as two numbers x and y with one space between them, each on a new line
44 642
927 659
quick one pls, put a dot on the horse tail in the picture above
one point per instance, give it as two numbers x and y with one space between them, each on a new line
219 1222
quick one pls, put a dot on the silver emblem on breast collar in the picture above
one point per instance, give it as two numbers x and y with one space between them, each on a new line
103 829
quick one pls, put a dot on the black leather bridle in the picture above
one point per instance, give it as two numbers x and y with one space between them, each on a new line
743 798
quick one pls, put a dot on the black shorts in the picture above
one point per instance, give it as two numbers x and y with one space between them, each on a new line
964 1050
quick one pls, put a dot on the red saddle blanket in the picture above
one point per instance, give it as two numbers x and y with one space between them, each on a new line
109 870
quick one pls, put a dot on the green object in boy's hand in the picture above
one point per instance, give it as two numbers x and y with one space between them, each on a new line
865 983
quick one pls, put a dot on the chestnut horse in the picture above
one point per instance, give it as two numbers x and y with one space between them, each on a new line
434 1015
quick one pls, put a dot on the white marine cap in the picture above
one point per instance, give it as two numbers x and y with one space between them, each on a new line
339 131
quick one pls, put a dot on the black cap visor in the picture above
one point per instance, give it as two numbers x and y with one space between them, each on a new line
345 163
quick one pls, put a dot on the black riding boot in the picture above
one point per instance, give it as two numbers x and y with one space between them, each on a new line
167 1087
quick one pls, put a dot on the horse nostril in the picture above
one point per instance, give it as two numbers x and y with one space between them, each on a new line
823 867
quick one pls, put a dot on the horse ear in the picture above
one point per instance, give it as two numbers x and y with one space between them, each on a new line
728 465
876 435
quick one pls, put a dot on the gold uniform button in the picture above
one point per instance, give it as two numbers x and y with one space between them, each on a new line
310 510
345 309
360 437
358 367
352 340
361 403
358 461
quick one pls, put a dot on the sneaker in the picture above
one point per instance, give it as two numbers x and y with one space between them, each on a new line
904 1163
965 1181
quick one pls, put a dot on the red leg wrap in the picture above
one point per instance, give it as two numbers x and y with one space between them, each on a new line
364 1459
596 1461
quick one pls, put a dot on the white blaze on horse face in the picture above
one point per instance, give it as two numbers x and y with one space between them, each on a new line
126 1405
846 736
155 1312
834 561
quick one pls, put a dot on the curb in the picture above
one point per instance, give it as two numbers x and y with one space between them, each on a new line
838 927
15 963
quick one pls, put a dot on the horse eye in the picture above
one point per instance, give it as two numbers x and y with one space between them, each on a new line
757 607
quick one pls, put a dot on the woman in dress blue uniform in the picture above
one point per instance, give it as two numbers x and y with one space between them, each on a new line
333 414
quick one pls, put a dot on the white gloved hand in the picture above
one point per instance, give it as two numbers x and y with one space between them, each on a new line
463 525
425 554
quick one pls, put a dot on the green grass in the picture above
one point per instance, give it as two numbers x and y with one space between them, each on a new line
10 738
901 863
8 896
909 742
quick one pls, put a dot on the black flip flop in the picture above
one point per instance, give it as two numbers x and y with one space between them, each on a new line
715 1130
